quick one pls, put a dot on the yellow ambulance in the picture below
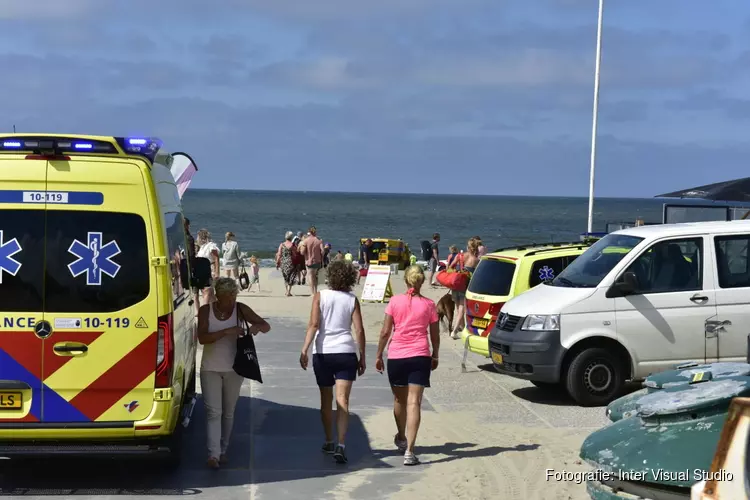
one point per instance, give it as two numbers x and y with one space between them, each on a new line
97 317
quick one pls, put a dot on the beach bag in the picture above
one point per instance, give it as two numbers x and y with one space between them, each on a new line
457 280
426 250
246 359
244 279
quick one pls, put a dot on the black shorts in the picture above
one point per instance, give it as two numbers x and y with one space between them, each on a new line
410 371
332 367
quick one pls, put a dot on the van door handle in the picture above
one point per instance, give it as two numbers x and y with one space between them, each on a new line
70 348
699 299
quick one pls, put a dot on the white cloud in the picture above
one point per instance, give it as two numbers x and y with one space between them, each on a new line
324 73
526 67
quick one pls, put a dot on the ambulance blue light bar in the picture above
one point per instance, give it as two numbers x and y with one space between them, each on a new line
55 145
147 147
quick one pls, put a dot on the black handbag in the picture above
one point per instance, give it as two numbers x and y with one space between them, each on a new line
244 279
246 360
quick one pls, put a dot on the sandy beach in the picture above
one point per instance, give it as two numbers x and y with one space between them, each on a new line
501 433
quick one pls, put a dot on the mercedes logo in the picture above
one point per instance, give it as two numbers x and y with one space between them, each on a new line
503 319
43 329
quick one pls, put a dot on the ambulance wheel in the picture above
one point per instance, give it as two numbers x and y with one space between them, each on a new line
190 389
595 377
172 458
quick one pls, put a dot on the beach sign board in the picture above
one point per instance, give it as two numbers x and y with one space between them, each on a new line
377 284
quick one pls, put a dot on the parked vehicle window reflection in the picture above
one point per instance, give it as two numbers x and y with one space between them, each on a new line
670 266
588 270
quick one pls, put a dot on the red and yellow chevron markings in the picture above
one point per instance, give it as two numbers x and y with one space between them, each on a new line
115 368
118 381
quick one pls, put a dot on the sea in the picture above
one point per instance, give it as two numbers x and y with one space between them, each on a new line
259 219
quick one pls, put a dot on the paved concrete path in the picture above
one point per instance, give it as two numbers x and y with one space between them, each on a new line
276 446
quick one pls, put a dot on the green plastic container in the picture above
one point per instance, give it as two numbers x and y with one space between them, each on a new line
626 406
667 445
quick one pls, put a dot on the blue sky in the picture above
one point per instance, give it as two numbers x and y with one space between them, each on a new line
441 96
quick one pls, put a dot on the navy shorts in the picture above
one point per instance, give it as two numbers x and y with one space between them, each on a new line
410 371
332 367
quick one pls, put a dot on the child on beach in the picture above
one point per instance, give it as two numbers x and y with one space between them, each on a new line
254 273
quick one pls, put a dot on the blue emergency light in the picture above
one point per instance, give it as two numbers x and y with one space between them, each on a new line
140 146
60 146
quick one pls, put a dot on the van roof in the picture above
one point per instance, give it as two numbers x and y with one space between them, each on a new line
526 250
687 228
83 145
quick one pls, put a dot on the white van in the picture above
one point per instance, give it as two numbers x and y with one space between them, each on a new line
639 301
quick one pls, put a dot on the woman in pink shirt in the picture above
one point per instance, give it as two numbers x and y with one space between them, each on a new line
409 317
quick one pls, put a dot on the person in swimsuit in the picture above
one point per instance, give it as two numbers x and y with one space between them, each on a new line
468 262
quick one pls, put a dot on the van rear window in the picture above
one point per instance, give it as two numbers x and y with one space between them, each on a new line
492 277
97 262
21 260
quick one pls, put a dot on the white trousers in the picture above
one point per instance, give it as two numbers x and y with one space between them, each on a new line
221 390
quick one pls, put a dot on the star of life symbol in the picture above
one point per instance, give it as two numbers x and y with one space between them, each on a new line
546 273
7 250
94 259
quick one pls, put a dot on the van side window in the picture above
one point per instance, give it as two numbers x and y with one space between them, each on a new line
670 266
176 246
731 260
545 270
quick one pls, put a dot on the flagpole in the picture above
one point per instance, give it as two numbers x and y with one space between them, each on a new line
596 115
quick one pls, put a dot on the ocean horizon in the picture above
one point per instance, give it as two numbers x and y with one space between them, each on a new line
283 191
259 218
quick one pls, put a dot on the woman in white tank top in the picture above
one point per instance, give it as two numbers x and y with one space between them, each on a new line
218 330
335 358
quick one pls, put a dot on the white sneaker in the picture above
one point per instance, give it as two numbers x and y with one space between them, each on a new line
410 459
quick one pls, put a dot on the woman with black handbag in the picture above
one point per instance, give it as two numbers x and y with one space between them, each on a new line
221 326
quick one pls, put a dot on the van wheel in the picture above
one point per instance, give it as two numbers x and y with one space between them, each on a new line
595 377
